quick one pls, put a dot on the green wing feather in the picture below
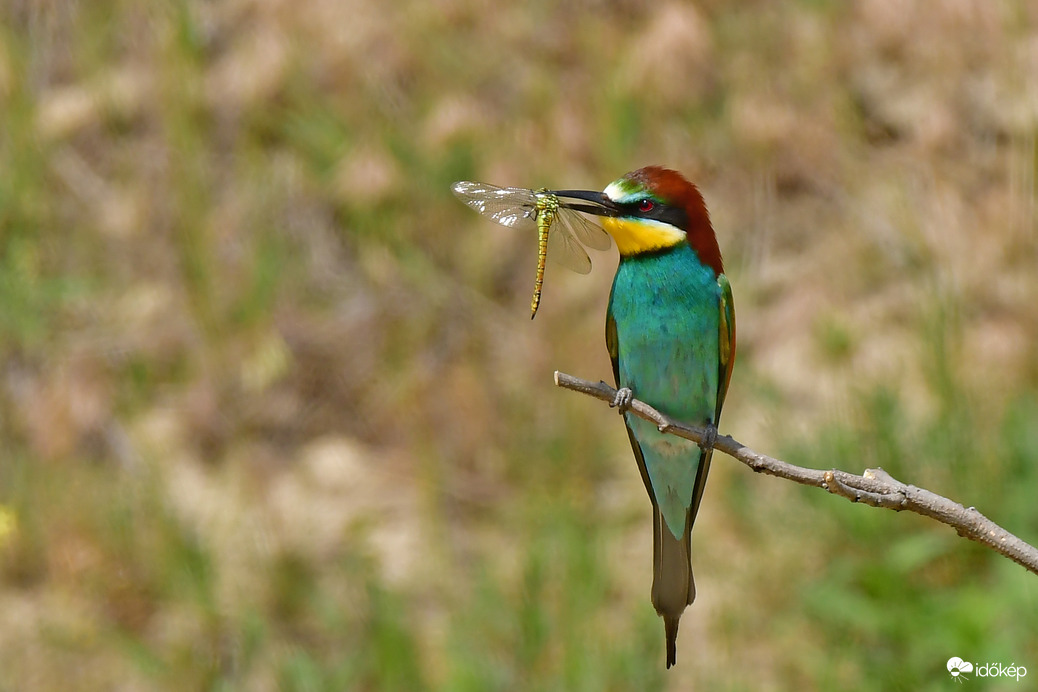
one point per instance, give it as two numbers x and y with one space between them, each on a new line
725 361
726 357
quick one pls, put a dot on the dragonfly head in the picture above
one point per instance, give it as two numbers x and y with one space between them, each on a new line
649 210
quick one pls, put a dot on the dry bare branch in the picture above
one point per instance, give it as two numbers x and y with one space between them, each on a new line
875 487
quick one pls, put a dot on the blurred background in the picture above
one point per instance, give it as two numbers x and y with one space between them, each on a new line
273 415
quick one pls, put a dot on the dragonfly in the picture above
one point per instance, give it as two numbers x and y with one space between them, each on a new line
559 225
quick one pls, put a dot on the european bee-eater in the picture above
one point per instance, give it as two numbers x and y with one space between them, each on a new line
670 331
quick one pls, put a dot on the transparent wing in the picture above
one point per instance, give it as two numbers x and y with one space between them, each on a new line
586 231
515 207
563 248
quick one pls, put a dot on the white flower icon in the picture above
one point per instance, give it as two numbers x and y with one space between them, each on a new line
956 666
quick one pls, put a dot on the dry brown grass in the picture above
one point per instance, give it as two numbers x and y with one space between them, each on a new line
259 365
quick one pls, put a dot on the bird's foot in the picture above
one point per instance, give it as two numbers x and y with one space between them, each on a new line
709 438
622 400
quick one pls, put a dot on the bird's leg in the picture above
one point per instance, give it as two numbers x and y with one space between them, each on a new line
622 400
709 437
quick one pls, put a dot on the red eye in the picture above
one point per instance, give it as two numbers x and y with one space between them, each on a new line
646 205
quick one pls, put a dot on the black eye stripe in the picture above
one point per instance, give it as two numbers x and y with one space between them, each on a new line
664 213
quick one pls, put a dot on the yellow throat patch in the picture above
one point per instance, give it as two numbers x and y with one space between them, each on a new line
635 236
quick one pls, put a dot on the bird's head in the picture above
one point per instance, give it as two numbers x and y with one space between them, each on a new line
652 209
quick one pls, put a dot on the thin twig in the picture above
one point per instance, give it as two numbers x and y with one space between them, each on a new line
875 487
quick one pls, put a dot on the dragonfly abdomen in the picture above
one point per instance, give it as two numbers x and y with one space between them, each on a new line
547 208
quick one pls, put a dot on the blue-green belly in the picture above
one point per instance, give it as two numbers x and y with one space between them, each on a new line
666 313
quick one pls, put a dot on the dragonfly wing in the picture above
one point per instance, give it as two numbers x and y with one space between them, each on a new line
586 231
563 249
514 207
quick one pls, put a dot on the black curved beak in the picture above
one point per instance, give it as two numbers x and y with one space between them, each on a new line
600 205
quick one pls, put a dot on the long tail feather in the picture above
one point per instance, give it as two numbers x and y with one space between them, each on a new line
673 587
